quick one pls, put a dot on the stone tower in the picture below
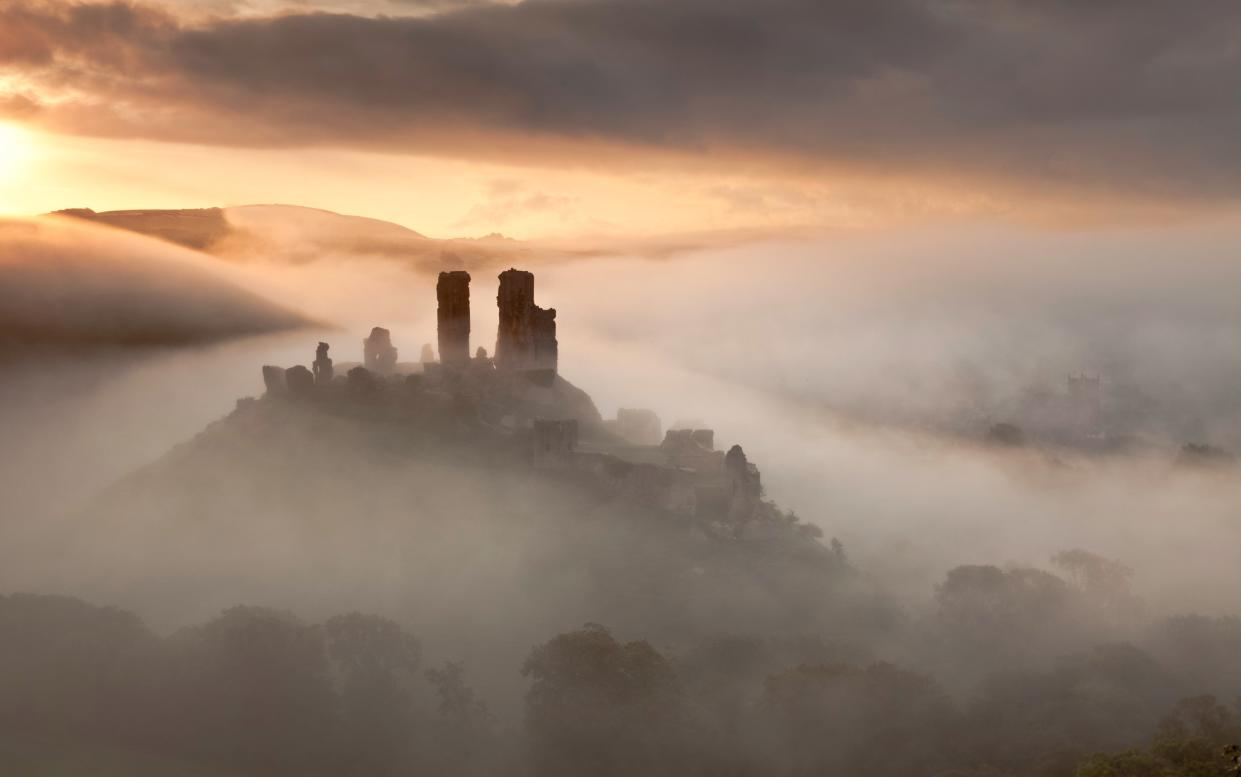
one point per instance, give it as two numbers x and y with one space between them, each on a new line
526 337
453 293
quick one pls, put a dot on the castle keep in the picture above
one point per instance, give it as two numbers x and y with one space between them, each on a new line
453 316
515 406
526 337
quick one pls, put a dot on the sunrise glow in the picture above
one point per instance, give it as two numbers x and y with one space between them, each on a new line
16 151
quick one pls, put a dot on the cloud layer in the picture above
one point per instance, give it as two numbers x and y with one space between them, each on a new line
1138 97
67 283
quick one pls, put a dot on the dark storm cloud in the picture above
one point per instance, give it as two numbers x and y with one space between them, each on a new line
1141 95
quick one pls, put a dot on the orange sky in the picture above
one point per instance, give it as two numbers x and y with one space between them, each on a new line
445 196
563 119
41 172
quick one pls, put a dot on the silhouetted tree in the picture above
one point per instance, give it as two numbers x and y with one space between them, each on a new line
988 618
877 720
256 692
463 730
374 663
1204 649
600 707
1030 721
1194 740
71 667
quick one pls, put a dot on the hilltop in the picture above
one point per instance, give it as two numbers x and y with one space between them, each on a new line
400 481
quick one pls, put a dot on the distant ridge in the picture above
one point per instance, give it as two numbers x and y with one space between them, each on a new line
74 284
295 234
197 228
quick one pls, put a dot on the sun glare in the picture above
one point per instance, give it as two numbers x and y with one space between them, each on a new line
16 149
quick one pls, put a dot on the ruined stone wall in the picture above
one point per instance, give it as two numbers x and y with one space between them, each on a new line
452 292
545 352
663 488
693 448
526 335
378 353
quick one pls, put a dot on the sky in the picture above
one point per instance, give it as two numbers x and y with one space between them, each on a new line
620 117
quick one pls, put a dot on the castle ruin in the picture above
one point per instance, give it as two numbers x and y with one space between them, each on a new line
378 353
515 404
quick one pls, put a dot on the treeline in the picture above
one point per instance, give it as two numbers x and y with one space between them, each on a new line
254 690
259 692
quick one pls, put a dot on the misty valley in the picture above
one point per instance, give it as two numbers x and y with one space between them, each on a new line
442 558
620 388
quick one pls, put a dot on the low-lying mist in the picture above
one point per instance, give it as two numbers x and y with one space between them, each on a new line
69 283
106 345
862 374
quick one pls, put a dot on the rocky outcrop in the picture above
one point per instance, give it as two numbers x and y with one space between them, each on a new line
453 317
526 337
323 365
378 353
428 354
